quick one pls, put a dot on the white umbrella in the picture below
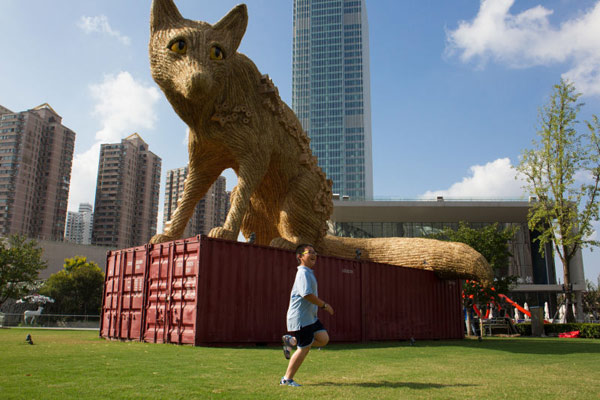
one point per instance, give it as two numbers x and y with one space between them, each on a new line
526 307
517 316
546 311
561 314
36 299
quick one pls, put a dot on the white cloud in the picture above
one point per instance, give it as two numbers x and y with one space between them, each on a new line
159 220
528 39
494 180
186 138
594 234
123 106
100 24
583 176
83 177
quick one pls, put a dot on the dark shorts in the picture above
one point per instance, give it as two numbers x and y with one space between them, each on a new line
306 335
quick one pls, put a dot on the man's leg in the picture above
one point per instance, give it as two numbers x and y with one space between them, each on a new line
288 343
321 339
296 361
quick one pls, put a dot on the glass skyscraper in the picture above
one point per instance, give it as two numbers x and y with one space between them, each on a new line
331 90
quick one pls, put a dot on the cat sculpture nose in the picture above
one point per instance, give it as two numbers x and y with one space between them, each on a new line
198 84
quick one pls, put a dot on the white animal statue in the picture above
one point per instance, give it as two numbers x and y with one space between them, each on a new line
562 311
32 314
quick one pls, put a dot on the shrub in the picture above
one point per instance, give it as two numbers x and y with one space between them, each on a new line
77 288
590 330
586 330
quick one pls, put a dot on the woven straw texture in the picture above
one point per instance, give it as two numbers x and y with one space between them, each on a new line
237 120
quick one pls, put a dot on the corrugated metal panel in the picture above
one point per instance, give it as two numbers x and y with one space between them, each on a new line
209 291
339 283
184 292
172 292
123 302
110 297
401 303
157 293
244 292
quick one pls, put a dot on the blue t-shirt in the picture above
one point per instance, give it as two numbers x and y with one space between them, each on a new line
302 312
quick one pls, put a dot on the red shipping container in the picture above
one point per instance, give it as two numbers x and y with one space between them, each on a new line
210 291
124 297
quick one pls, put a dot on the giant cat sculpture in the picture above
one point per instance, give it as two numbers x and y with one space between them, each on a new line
238 121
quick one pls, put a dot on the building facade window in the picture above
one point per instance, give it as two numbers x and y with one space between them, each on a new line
325 68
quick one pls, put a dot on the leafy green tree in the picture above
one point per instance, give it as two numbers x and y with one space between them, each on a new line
565 207
77 288
20 263
591 299
492 243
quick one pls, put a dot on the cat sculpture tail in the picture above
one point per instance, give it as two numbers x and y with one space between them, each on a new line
446 259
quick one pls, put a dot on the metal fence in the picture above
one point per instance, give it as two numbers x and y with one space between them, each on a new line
50 321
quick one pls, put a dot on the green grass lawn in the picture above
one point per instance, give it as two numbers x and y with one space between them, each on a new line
77 364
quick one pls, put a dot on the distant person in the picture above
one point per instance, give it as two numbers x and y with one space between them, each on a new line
305 328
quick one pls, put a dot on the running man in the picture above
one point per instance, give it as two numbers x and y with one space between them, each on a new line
305 328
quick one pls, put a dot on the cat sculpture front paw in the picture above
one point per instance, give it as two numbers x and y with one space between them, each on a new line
222 233
161 238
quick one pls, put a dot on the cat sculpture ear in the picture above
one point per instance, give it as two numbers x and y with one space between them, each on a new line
163 14
233 25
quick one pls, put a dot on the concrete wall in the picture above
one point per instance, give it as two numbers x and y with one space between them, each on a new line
55 254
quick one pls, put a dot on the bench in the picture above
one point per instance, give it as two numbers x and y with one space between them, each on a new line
489 325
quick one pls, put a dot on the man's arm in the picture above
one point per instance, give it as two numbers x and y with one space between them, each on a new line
319 303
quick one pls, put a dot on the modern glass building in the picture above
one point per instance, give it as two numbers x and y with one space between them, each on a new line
536 275
331 90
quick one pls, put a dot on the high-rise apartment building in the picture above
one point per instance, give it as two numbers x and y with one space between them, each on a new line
210 212
127 191
331 90
80 224
36 154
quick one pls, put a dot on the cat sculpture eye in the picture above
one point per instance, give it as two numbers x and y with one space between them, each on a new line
178 46
216 53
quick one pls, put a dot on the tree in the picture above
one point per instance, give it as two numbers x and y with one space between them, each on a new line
591 299
20 263
566 207
492 243
77 288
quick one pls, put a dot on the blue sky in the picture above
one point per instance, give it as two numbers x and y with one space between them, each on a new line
455 85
